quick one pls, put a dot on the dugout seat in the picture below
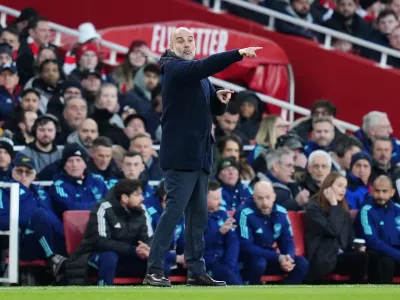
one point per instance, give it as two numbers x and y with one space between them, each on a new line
75 223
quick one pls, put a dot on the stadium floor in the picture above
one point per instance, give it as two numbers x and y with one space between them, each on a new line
342 292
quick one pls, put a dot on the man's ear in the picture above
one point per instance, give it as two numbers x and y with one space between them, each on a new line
124 199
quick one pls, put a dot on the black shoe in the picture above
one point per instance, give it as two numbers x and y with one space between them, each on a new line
157 279
204 280
57 264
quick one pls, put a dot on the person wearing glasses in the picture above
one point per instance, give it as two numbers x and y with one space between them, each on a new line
42 233
319 165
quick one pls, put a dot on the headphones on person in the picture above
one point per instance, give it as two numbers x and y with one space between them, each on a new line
48 117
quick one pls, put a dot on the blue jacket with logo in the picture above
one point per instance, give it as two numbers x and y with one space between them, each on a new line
258 232
154 211
29 200
233 197
255 153
71 194
221 247
381 228
7 103
356 191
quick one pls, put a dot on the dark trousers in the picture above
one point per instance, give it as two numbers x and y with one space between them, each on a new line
186 194
257 266
219 271
109 264
44 236
354 264
382 268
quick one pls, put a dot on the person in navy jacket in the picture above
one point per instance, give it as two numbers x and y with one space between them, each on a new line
322 136
222 244
262 222
189 101
380 223
74 187
174 257
8 90
358 179
42 233
234 193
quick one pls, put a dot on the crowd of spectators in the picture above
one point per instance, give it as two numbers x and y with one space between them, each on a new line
370 20
92 133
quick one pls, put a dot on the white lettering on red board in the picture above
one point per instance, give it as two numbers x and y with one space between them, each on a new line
208 41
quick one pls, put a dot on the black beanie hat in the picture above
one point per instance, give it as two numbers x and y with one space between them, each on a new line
73 149
225 163
360 155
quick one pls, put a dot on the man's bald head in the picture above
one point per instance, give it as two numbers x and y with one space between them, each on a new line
264 196
382 190
182 43
88 131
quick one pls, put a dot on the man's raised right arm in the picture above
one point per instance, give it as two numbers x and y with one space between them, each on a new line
190 70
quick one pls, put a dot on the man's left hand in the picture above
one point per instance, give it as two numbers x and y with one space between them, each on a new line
224 95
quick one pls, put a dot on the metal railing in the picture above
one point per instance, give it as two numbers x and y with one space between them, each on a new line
4 11
329 33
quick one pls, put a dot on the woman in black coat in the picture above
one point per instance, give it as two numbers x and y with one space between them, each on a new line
329 234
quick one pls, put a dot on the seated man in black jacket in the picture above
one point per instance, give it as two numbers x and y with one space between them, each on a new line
117 237
280 166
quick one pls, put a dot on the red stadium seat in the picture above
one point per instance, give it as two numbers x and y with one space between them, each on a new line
33 263
178 279
353 214
297 221
75 223
271 278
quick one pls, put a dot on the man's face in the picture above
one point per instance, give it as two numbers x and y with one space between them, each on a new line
319 168
5 59
382 152
383 128
183 44
102 157
301 7
75 112
323 134
75 166
387 24
88 132
30 118
41 34
362 169
346 160
143 146
132 167
134 200
284 169
11 39
264 197
108 99
8 79
30 102
5 159
46 134
321 112
134 126
23 175
395 6
92 84
231 149
382 192
72 92
228 122
214 200
346 8
394 39
89 60
50 73
229 176
151 80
